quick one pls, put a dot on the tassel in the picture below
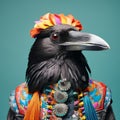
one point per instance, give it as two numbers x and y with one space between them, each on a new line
89 109
33 110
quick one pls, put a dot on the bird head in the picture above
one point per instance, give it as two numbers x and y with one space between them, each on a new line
57 34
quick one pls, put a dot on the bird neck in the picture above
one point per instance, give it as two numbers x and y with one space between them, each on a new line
71 66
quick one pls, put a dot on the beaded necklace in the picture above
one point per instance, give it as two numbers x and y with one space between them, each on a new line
58 97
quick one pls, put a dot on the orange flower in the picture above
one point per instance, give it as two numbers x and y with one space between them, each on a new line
49 20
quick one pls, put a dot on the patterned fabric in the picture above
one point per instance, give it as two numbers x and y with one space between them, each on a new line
12 102
20 98
108 98
98 93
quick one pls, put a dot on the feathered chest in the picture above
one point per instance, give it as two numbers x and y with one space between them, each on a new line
71 66
60 102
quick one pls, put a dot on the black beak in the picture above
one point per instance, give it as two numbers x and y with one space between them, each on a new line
84 41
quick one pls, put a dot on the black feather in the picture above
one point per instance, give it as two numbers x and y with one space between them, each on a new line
49 63
70 65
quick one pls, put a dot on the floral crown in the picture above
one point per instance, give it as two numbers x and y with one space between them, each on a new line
49 20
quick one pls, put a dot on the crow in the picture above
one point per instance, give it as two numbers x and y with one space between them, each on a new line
58 86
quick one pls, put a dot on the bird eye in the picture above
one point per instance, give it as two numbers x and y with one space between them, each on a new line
54 36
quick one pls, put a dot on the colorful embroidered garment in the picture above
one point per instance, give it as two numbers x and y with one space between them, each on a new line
60 101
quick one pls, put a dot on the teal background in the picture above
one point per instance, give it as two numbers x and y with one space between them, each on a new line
100 17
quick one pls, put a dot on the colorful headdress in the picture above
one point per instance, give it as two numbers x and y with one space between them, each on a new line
49 20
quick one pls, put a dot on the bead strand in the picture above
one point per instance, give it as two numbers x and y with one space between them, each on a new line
81 110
